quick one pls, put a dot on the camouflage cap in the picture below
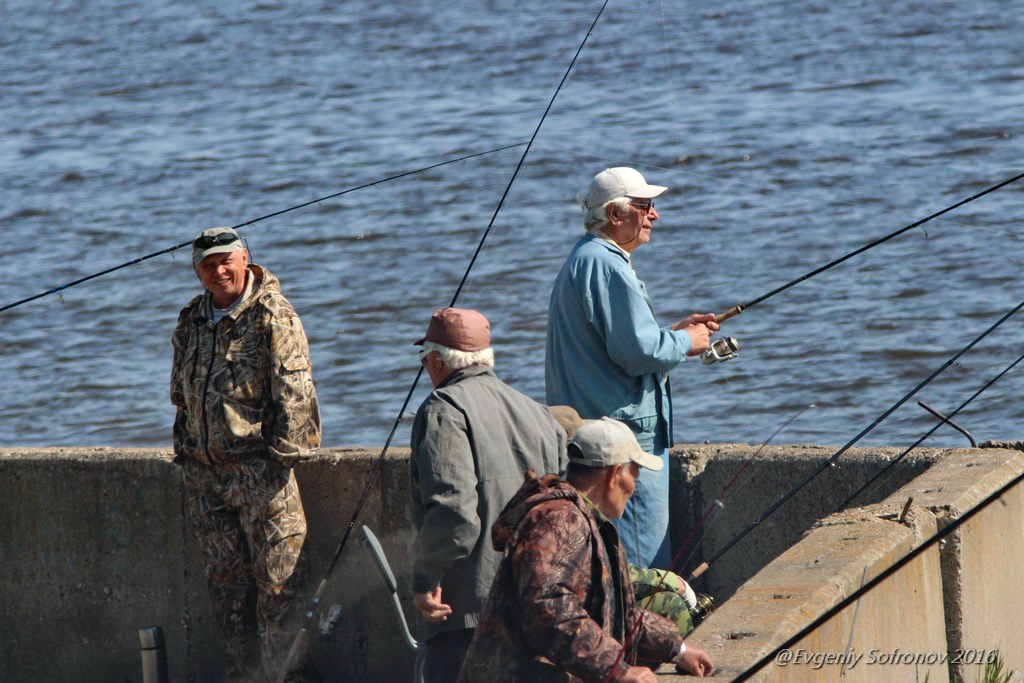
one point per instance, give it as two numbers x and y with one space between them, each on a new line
215 241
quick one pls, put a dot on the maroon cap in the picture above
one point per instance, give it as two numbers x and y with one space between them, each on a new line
458 328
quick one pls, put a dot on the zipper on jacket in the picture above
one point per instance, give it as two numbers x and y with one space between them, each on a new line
206 388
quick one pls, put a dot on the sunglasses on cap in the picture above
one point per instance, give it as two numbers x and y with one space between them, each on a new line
207 241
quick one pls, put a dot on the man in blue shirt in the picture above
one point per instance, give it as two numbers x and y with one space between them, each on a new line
606 353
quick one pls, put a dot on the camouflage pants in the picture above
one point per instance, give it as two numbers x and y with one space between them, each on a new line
660 595
249 525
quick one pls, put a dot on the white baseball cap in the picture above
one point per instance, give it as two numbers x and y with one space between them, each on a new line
621 181
608 442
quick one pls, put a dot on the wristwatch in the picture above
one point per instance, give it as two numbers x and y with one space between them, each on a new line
679 655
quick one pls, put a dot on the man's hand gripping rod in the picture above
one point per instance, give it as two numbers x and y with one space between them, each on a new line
724 348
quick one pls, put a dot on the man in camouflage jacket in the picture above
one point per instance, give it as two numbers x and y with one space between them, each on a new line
561 606
246 412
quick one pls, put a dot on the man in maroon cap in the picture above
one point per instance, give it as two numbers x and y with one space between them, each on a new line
473 440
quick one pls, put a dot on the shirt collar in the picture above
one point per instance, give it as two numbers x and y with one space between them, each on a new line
602 235
471 371
594 510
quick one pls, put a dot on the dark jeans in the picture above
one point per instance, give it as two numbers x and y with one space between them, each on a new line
444 656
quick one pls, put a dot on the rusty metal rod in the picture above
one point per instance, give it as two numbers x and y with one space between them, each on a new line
892 463
835 456
954 425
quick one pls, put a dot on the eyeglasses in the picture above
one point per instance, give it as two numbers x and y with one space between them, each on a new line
220 239
644 205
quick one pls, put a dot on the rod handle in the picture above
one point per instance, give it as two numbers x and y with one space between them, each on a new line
698 571
731 313
300 646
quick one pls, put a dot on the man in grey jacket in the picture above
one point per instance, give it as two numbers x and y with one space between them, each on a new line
473 440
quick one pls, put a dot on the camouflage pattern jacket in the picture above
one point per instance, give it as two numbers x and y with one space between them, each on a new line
243 388
561 602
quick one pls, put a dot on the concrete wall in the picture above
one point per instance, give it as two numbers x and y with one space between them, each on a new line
904 614
98 545
95 547
960 598
982 558
705 471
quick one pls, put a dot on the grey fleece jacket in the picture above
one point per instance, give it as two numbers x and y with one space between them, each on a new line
473 440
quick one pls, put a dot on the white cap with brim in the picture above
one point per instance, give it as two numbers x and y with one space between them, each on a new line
214 241
607 442
620 181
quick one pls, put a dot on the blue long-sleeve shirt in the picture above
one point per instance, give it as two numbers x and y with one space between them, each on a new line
606 353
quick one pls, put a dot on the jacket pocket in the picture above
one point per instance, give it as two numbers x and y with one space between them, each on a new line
244 377
644 428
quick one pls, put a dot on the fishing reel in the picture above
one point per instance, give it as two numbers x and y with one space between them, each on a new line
705 606
722 349
699 605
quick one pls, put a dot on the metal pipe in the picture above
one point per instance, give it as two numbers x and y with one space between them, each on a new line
153 650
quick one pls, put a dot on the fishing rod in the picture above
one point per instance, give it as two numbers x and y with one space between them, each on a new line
917 443
716 504
302 637
870 585
725 347
168 250
828 463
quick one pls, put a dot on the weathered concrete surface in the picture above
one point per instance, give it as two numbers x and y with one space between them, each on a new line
98 545
366 644
704 472
902 615
982 559
93 547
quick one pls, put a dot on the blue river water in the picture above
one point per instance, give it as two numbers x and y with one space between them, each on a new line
789 132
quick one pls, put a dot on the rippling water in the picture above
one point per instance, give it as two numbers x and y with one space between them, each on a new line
790 133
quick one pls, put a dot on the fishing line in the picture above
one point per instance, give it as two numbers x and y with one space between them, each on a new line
169 250
719 501
670 66
739 308
717 504
302 637
917 443
870 585
781 501
736 181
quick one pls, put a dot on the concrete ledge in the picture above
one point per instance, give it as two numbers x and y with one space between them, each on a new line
704 471
94 549
99 545
904 614
981 559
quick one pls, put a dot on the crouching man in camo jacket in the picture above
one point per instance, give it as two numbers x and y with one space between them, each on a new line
246 412
561 608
